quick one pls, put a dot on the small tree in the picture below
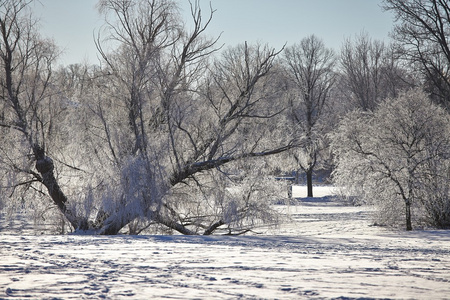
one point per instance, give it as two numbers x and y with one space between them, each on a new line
310 71
390 158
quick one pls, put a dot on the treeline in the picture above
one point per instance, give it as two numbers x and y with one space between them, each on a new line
173 132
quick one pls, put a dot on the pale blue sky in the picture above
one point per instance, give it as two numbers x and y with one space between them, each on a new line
72 23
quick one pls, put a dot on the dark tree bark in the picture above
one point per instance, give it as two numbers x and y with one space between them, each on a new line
408 215
309 182
44 165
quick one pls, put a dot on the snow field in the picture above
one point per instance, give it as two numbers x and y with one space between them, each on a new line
327 250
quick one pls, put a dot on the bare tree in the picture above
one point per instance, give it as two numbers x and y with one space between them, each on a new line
169 122
144 76
310 69
371 71
390 158
159 135
30 111
423 31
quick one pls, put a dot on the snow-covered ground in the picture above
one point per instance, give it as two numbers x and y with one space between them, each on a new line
328 251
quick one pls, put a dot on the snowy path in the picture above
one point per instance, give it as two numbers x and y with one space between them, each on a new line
329 251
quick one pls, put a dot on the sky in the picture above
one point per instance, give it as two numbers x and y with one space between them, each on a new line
73 23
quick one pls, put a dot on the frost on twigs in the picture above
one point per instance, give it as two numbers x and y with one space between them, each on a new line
234 200
397 158
142 142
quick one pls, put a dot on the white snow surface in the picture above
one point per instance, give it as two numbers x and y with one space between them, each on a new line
327 250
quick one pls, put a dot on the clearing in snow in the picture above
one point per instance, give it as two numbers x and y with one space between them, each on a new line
328 250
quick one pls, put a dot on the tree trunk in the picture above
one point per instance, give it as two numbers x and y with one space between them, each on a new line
111 228
213 227
297 177
172 224
309 182
44 165
408 216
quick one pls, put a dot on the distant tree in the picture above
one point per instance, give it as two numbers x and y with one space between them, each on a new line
370 72
311 76
397 158
423 31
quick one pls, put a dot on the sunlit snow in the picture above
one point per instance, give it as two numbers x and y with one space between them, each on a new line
327 250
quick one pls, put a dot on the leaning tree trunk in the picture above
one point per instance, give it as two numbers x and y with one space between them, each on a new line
45 167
